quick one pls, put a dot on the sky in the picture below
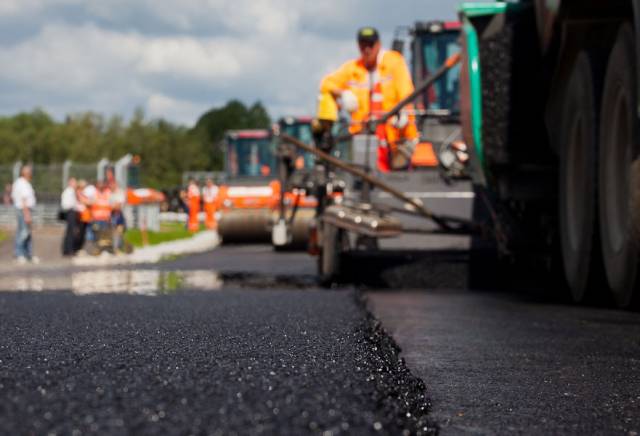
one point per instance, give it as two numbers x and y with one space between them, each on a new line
177 59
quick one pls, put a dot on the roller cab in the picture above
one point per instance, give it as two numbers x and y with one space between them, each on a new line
250 191
295 211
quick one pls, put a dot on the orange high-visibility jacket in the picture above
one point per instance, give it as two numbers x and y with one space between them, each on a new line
395 83
101 207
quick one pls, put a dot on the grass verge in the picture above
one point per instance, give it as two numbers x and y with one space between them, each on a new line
168 232
4 235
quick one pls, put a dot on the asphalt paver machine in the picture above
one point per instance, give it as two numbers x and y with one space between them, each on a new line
359 218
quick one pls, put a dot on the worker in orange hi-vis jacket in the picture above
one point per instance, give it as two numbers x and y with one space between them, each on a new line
193 198
367 87
209 197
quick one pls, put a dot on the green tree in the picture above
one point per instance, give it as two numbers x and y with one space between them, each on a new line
166 149
213 124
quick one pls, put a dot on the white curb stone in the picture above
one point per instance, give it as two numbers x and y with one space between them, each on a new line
200 242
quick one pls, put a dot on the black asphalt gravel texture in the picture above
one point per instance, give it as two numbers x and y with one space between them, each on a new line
226 362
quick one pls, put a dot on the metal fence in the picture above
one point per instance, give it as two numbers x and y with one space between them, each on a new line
43 214
49 180
201 176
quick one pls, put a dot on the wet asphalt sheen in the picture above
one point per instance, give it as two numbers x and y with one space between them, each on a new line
286 362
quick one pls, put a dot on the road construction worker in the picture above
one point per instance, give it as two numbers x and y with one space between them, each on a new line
101 208
367 88
209 198
87 196
69 207
193 200
84 215
118 223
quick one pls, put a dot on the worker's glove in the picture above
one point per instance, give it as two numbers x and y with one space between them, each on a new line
349 101
400 121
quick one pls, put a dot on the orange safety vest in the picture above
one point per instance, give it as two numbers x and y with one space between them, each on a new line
381 130
392 84
84 213
101 207
193 197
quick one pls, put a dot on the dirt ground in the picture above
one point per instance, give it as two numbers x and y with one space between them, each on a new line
47 244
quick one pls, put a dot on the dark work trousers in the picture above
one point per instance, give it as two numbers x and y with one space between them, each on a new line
69 241
80 234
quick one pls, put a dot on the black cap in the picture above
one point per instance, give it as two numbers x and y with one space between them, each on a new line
368 34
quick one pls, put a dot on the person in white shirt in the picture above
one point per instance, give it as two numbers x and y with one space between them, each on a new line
89 196
69 205
24 200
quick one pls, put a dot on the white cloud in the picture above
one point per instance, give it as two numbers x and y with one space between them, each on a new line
199 58
180 111
177 60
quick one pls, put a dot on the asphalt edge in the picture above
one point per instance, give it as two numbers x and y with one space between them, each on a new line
400 394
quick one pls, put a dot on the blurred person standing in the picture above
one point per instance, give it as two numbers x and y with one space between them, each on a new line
24 200
209 197
118 222
101 209
6 198
84 215
69 205
193 199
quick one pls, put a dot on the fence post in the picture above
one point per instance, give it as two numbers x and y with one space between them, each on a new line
121 170
65 173
102 164
16 170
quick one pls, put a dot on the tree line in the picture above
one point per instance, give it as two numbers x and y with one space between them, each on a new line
166 149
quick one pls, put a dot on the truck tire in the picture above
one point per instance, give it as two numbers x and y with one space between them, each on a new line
577 180
619 186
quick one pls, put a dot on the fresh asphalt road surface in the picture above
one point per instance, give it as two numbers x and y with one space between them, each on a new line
501 363
138 351
260 349
242 340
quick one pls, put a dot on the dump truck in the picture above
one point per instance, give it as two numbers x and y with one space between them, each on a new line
248 194
550 110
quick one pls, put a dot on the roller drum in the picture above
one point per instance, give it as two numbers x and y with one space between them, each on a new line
245 226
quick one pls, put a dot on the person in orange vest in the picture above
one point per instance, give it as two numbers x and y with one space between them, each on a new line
101 209
84 212
209 197
368 87
193 199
